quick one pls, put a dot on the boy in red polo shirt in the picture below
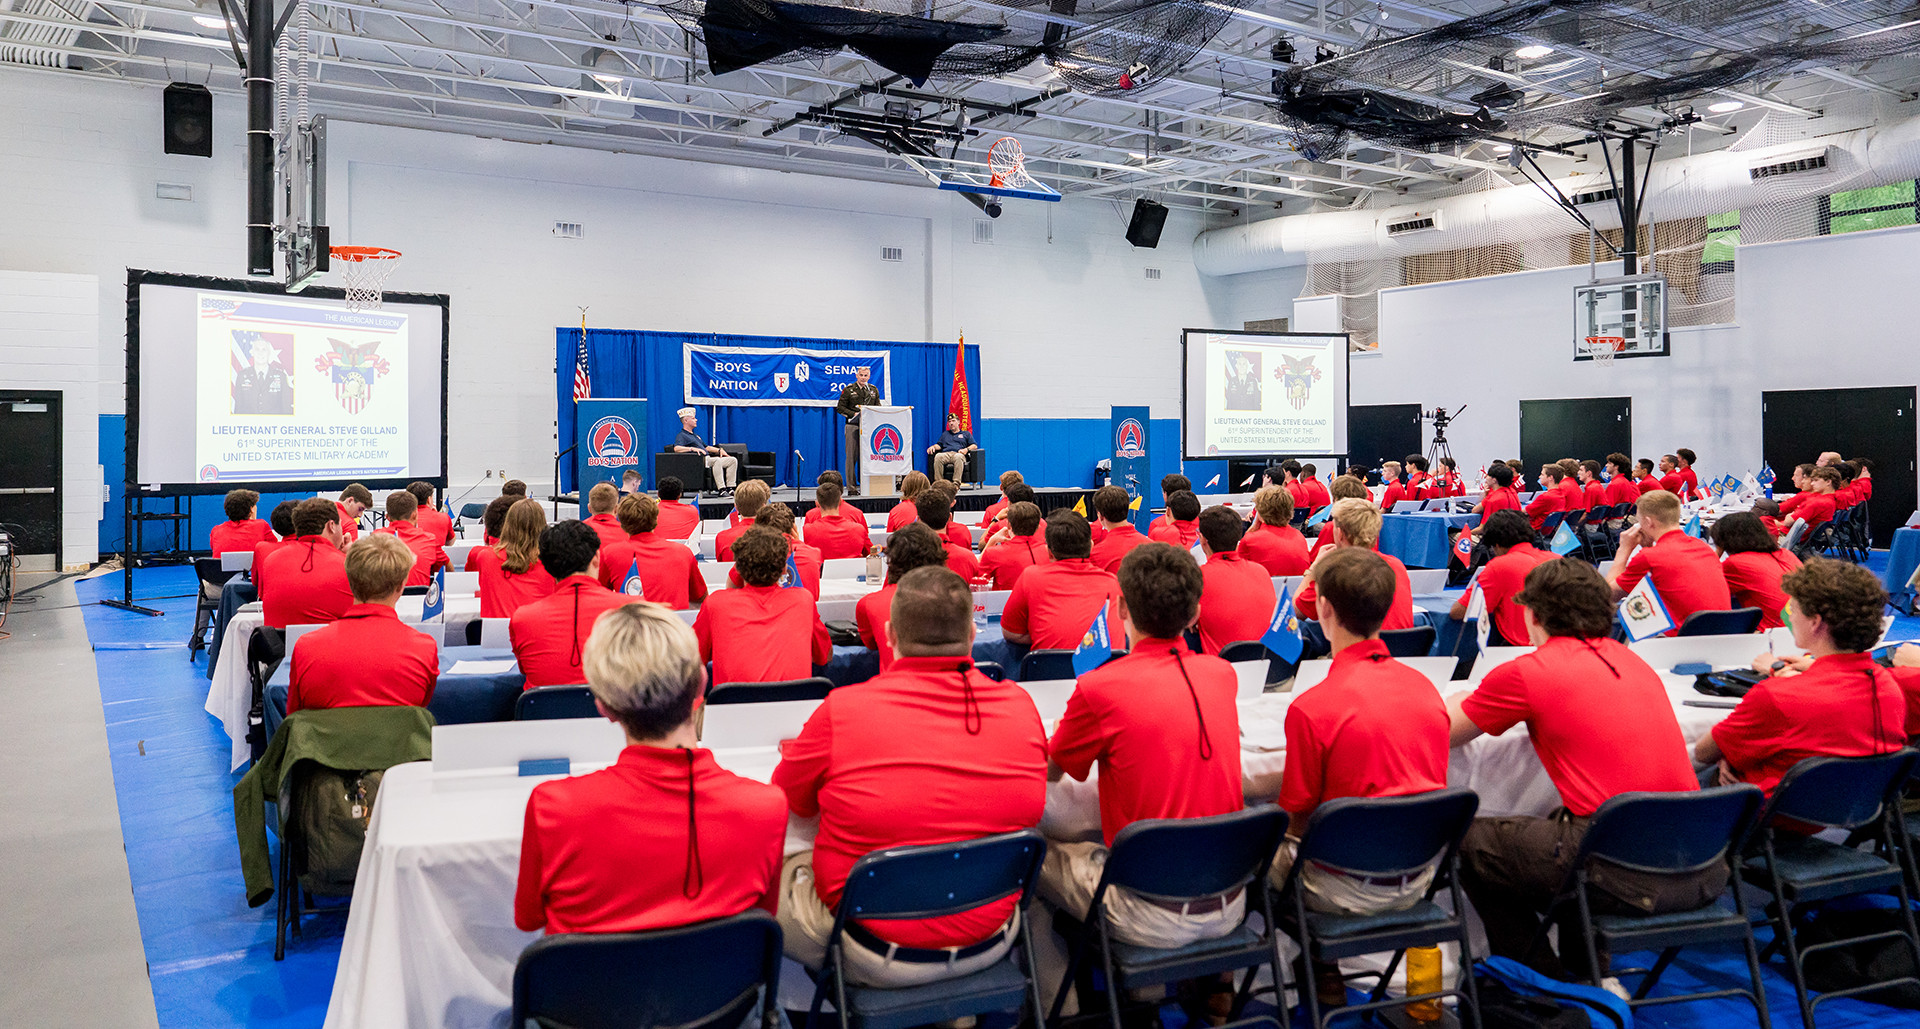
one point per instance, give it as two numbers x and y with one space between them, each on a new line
1111 504
911 486
1548 500
550 634
1396 490
1593 492
914 546
1510 540
1832 702
1021 547
1689 480
761 631
930 751
816 512
1271 541
1753 564
241 531
1372 728
1419 483
664 837
1170 484
1600 721
806 557
425 545
669 574
354 500
1816 504
306 581
1643 477
936 512
367 657
748 499
1180 526
282 521
1670 478
1162 725
1356 523
1448 482
678 521
1620 488
1052 605
1315 490
429 517
1236 595
601 500
1685 571
1008 480
841 530
1498 493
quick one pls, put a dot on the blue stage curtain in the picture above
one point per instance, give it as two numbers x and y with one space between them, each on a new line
632 363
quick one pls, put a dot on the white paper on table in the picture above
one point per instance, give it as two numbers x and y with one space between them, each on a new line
471 666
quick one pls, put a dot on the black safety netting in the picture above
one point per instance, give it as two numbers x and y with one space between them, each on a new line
1586 61
1101 47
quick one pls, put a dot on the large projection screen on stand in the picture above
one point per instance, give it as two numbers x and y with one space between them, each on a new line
1263 394
234 384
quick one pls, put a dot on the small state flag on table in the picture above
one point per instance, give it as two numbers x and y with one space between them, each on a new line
630 584
1095 647
1643 612
435 604
1283 632
790 579
1463 547
1477 609
1320 516
1564 541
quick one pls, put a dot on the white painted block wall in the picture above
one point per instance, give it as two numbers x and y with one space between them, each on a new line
49 329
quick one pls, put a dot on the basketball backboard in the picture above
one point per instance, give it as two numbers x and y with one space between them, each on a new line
300 221
976 177
1631 309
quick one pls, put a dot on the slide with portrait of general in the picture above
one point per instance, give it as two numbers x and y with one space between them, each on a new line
1250 394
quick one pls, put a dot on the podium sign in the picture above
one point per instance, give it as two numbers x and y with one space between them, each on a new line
886 446
1129 430
610 438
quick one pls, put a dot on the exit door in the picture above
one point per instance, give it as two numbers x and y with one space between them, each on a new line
30 464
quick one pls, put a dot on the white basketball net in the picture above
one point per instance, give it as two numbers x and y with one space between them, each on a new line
1603 348
365 275
1007 164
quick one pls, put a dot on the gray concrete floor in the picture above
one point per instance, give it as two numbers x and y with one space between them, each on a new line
70 951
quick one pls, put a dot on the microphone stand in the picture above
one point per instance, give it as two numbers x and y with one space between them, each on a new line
796 476
557 458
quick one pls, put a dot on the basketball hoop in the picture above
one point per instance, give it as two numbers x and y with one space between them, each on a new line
1603 348
366 270
1007 164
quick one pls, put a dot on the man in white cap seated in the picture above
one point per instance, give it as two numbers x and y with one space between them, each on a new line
725 467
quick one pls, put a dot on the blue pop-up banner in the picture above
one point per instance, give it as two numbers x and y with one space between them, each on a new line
753 377
610 437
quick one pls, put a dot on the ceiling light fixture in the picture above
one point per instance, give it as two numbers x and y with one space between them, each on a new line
1532 53
209 22
1726 106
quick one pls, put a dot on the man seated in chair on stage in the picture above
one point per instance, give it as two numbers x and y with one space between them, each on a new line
425 545
549 634
665 836
724 467
950 454
762 630
367 657
1602 724
678 521
841 529
1162 725
1052 605
1373 728
930 751
668 572
306 577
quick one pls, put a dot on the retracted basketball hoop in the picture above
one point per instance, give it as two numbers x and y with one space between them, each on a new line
1007 165
366 270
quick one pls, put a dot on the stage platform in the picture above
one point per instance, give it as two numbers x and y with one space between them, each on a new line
971 498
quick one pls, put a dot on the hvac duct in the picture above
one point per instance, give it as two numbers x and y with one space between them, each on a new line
1685 187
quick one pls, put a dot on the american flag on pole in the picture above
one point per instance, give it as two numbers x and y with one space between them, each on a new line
581 389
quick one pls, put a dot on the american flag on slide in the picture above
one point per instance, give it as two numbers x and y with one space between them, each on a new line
581 389
212 307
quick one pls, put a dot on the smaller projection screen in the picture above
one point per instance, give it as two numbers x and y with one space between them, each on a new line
1264 393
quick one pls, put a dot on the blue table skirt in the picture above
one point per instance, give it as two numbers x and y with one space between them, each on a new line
1903 556
1419 540
457 699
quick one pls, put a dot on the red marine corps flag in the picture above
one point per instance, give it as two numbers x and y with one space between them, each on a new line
959 404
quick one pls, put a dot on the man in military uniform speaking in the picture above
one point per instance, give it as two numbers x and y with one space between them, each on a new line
262 387
855 395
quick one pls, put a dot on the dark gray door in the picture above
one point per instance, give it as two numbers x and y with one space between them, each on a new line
30 469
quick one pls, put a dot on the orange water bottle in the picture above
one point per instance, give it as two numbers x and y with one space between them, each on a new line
1423 976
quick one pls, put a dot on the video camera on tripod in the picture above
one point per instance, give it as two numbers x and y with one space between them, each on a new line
1441 419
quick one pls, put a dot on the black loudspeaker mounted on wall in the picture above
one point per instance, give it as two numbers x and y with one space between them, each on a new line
188 120
1149 217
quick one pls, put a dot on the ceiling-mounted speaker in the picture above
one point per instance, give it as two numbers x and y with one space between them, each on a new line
1149 217
187 120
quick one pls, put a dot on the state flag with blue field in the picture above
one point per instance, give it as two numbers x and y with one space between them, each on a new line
1096 646
1693 526
630 583
1283 632
1320 516
1564 541
790 579
435 604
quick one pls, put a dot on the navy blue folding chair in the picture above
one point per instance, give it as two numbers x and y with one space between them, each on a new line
931 882
1665 834
1172 862
815 688
1741 621
554 702
1047 666
708 975
1802 871
1551 524
991 669
1383 838
1577 521
1414 642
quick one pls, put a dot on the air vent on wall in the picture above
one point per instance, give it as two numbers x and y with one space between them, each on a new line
172 191
891 254
1595 196
1791 164
1415 222
1153 273
982 230
569 230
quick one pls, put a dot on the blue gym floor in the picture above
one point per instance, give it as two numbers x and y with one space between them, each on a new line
211 957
